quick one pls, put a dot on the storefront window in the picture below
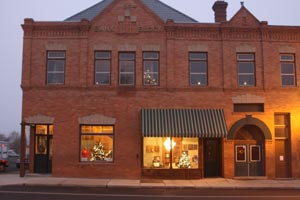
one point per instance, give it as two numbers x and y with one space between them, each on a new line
97 143
167 153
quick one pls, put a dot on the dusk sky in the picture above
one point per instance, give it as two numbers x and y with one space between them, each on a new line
13 12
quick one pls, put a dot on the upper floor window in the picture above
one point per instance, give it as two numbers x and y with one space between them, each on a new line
56 67
102 67
127 69
246 69
151 68
198 69
287 62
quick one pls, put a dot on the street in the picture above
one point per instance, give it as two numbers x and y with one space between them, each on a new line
76 193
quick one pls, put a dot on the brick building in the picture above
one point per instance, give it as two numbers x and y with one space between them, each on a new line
134 88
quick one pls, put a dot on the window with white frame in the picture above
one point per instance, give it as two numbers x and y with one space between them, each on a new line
56 67
246 69
127 68
97 143
287 64
102 67
198 68
151 68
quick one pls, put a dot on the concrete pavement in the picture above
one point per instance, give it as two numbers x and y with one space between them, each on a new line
211 183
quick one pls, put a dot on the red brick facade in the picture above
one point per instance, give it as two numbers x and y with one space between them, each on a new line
79 96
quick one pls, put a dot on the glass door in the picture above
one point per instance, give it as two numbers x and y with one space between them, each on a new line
43 149
248 160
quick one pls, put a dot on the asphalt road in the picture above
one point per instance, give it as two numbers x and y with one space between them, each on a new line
76 193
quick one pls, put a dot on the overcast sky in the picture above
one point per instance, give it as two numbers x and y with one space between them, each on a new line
13 12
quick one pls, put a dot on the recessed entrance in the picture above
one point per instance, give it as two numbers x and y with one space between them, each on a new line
212 158
43 148
249 151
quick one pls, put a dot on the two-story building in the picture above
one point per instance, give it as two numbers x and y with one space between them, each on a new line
135 88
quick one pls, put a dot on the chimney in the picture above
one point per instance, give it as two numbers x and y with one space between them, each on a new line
220 7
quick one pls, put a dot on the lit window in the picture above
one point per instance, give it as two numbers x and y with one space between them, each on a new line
151 68
287 62
56 67
198 69
171 153
246 69
127 69
102 67
97 143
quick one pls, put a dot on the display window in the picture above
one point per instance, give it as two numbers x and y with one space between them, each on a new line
171 153
97 144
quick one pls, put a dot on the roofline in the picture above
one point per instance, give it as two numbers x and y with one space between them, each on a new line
178 11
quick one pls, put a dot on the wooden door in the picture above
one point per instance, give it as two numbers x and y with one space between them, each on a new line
212 158
283 166
282 145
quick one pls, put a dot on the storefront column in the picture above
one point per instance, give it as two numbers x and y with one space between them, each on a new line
270 159
228 159
23 150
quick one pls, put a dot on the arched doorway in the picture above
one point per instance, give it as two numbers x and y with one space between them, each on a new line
249 135
249 151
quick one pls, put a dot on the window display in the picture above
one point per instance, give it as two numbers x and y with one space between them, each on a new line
97 143
171 153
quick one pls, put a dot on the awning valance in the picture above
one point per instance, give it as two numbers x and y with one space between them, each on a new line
204 123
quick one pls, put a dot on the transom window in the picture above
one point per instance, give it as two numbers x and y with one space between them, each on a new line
151 68
127 69
198 69
96 143
56 67
246 69
287 62
102 67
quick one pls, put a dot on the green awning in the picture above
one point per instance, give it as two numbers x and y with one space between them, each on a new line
204 123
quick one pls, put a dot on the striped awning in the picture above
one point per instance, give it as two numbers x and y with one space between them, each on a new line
204 123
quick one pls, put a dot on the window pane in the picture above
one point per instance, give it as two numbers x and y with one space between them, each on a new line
56 65
103 55
184 153
97 129
287 68
126 66
246 80
155 154
281 132
151 55
102 79
198 79
55 78
41 129
127 79
280 120
198 67
56 55
198 56
150 78
240 152
97 148
246 67
102 66
288 80
150 66
245 57
41 144
287 57
127 56
255 153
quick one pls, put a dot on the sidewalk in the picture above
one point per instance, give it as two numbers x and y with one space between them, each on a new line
214 183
